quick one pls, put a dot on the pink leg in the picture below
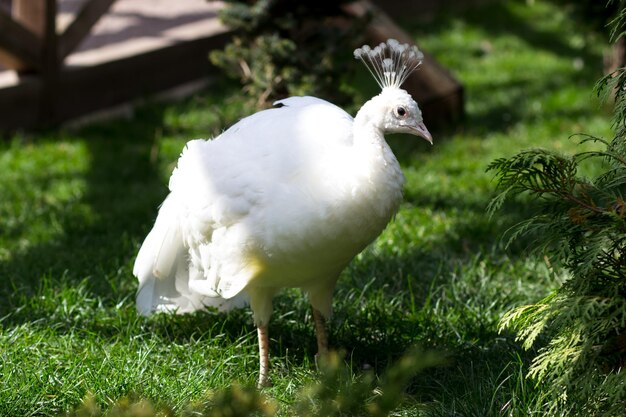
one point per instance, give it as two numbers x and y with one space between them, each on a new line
320 332
264 357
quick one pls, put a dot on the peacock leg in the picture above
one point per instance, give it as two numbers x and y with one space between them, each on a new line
264 357
320 332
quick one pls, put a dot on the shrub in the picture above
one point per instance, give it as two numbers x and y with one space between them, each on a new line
581 225
284 48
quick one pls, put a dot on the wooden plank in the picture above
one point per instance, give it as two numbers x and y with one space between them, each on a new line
31 14
82 24
438 93
93 88
89 89
20 45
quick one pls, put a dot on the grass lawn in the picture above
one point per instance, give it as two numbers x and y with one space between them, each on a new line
76 204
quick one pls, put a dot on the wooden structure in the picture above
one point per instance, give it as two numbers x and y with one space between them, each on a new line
48 91
53 85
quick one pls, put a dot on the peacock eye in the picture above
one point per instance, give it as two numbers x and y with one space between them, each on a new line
400 112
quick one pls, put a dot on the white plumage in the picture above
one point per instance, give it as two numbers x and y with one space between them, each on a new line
284 198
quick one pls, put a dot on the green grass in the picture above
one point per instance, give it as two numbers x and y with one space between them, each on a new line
76 204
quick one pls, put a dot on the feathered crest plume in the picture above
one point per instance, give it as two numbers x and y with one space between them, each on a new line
391 62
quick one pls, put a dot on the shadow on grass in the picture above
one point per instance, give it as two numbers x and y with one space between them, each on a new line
89 262
499 102
499 19
99 233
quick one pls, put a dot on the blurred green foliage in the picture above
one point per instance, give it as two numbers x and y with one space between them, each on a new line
337 392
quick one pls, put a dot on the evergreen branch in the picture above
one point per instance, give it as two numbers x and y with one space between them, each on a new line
581 222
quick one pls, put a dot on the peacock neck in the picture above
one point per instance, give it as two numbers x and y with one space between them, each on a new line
384 179
369 137
367 126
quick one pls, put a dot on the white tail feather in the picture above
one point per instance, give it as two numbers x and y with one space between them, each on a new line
157 261
162 268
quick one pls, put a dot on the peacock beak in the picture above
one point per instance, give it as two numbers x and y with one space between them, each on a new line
419 129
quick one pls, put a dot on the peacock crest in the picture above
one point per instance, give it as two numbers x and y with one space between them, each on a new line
391 62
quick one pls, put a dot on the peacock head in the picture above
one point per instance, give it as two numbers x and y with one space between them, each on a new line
393 110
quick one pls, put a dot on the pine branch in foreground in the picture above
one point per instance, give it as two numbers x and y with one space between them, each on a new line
580 223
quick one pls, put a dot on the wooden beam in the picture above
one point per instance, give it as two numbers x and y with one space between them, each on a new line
21 47
31 14
93 88
51 66
82 24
